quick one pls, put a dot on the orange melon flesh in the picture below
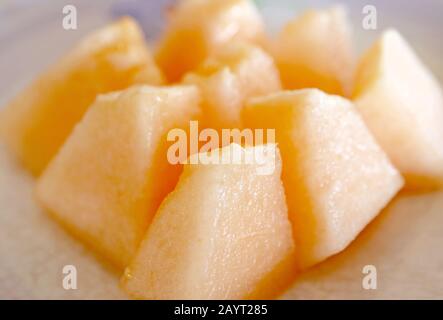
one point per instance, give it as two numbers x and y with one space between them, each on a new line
336 177
315 51
217 235
110 176
197 28
231 76
37 122
402 104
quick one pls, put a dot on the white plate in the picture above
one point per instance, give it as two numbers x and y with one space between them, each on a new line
404 243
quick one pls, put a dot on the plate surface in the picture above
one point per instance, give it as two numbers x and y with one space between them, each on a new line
403 243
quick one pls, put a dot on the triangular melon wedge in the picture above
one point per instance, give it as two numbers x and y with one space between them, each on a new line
336 177
217 235
402 104
228 78
197 28
315 51
37 122
112 173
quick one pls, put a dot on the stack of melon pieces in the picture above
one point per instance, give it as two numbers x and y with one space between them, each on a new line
94 131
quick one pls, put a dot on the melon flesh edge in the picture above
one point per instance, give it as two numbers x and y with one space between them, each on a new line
216 236
36 123
402 104
111 175
229 78
188 41
336 178
315 51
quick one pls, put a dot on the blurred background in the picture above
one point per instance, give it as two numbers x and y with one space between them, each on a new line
31 33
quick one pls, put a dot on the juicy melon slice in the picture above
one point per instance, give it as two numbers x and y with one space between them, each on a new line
315 51
110 176
37 122
199 27
402 104
235 73
217 235
336 177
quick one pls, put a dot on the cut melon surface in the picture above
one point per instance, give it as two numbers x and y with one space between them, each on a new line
37 122
112 173
402 104
218 235
315 51
336 177
228 78
198 28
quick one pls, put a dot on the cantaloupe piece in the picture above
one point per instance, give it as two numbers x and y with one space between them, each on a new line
336 177
402 104
197 28
228 78
315 51
222 229
37 122
112 173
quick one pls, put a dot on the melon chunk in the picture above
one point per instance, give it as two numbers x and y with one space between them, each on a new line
112 173
336 177
217 235
197 28
402 104
315 51
235 73
37 122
